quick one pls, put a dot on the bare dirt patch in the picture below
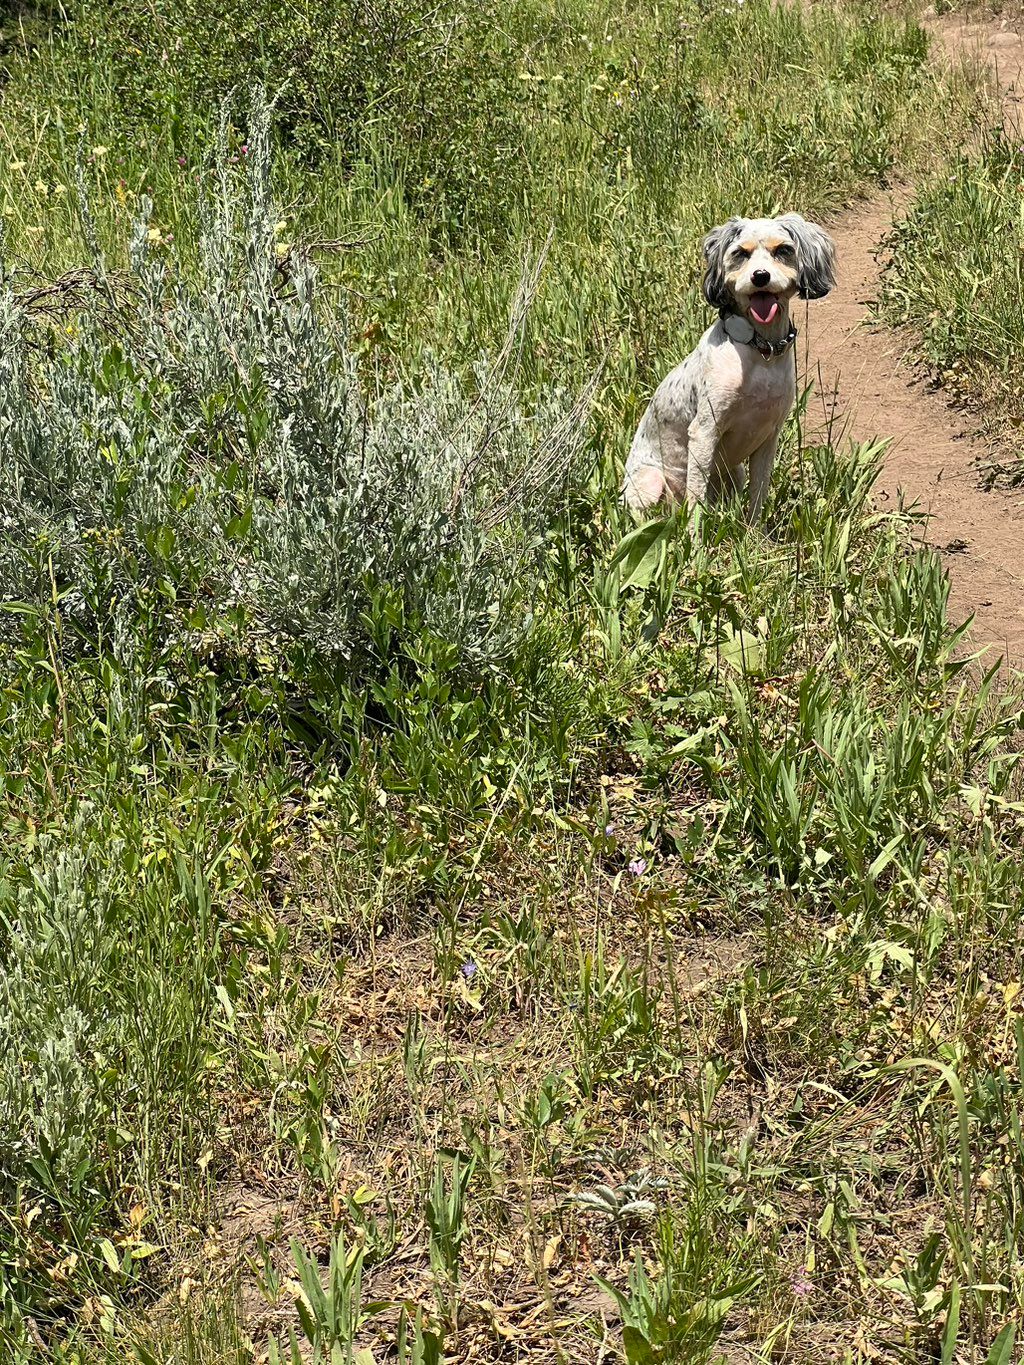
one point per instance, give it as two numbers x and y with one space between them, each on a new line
867 387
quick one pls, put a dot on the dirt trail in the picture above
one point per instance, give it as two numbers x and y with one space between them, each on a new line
866 388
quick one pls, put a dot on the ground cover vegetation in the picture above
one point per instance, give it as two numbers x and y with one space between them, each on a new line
440 919
956 276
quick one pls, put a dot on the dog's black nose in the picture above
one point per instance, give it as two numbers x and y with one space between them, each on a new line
761 278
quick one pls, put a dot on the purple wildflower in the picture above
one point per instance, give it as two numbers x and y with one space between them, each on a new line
609 829
468 969
638 867
181 161
801 1285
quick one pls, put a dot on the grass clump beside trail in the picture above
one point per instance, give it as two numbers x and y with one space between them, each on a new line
956 275
439 919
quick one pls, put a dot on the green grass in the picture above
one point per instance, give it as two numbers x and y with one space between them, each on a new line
956 276
438 924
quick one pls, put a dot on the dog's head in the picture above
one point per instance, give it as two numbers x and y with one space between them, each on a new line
756 265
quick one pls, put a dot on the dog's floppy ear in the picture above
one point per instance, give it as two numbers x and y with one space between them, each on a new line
716 244
816 253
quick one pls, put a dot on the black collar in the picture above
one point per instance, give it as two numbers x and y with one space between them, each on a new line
743 333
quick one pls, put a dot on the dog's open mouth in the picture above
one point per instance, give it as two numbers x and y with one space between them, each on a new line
764 307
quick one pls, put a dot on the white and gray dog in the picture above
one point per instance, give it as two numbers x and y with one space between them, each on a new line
715 420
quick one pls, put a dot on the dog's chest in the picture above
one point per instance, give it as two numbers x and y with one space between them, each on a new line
750 397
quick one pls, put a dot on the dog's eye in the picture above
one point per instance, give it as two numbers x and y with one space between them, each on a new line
741 254
784 252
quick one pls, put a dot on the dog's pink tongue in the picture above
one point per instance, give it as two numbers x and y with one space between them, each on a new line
764 307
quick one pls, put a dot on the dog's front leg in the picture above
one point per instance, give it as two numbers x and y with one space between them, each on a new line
760 474
700 461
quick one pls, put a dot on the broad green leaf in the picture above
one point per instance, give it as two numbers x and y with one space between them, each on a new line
885 857
639 1350
952 1328
238 527
691 743
743 651
1002 1348
639 553
109 1254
